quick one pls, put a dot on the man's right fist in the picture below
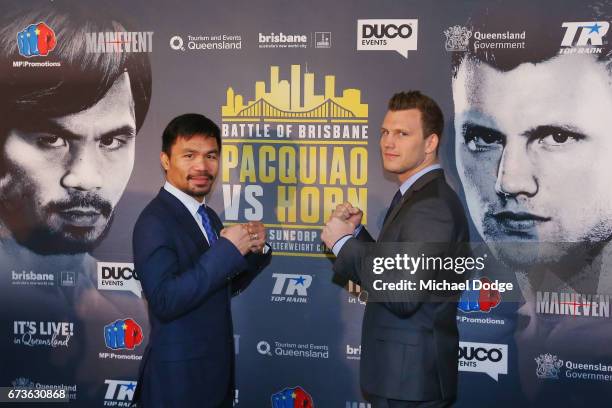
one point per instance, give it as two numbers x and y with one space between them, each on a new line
347 212
239 236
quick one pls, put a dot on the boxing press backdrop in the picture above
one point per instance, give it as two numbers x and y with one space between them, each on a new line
299 90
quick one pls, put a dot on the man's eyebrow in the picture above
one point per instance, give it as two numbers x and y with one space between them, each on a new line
469 127
539 132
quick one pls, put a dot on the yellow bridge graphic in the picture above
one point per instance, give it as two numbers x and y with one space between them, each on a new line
328 109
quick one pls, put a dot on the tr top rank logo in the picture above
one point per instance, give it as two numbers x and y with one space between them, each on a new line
583 37
36 40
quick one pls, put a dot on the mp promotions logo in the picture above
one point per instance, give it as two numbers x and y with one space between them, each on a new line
294 397
36 40
124 334
387 35
583 37
548 366
479 300
291 288
457 38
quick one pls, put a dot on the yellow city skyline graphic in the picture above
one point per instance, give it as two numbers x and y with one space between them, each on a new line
295 100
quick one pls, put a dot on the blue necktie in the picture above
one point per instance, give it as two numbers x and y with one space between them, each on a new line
210 232
396 199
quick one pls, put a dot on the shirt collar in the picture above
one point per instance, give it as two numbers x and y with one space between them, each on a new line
412 179
188 201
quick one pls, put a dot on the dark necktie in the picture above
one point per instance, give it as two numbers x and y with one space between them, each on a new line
210 232
396 199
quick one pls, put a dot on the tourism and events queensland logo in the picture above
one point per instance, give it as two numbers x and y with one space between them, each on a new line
292 397
36 40
291 153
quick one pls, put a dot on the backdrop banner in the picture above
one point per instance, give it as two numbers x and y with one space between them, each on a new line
299 90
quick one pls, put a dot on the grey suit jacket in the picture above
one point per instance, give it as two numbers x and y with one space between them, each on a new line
410 348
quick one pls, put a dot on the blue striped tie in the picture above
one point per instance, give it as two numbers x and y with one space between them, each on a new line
210 232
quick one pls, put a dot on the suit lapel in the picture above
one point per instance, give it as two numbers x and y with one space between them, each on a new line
184 218
416 186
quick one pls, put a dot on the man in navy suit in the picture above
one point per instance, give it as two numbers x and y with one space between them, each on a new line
189 267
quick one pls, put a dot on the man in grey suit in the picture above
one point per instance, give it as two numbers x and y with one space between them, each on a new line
410 346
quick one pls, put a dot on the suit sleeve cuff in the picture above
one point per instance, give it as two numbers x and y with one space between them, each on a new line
340 243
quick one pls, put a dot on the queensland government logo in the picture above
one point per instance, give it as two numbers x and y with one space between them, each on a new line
291 154
583 37
292 397
457 38
548 366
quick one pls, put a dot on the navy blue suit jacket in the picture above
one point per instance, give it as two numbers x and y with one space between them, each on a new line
188 287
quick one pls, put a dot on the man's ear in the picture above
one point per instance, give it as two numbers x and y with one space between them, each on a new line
431 145
165 160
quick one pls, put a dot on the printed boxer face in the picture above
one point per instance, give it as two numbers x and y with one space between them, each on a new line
62 180
533 150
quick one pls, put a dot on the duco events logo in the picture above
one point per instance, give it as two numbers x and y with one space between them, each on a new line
299 350
488 358
118 276
299 152
290 288
387 35
119 42
124 334
119 393
42 334
583 37
293 397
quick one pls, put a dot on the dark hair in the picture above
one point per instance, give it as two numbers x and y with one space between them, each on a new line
432 118
187 126
541 21
82 79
